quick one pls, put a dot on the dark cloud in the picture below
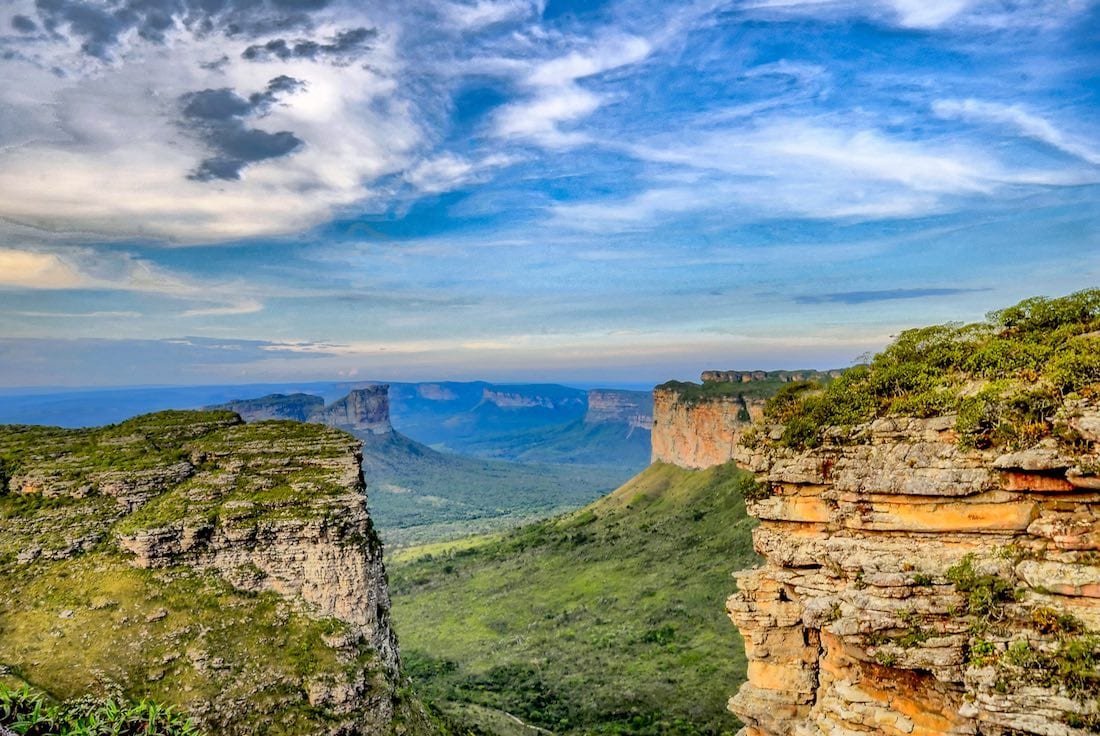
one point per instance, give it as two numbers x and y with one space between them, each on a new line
99 25
23 24
863 297
218 117
341 48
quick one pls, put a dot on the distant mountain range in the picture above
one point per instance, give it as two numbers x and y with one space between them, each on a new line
418 493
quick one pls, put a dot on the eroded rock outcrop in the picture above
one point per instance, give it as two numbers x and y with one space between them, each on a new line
363 410
230 569
913 587
699 433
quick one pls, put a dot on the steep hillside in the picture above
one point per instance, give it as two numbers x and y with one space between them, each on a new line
931 529
420 495
229 569
605 621
453 415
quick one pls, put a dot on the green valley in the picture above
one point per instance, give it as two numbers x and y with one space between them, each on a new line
608 620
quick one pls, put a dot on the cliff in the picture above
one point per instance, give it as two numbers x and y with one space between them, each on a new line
364 410
294 407
699 432
915 588
930 525
229 569
630 408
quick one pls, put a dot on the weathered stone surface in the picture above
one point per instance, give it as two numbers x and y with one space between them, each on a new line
855 623
698 434
364 409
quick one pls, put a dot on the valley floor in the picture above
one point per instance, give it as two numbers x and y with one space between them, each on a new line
609 620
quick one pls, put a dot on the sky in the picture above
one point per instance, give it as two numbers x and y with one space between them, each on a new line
220 191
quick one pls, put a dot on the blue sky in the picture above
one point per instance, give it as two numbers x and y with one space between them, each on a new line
199 191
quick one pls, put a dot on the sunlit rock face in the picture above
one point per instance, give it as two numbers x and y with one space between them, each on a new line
229 569
912 587
698 434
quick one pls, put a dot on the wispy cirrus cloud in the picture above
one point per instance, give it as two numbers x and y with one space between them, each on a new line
1018 120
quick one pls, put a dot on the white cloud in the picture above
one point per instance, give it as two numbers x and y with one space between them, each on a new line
555 98
781 167
110 154
29 270
928 13
481 13
1016 117
447 171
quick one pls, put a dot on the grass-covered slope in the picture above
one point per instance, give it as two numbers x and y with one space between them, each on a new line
78 617
597 444
1004 377
607 621
420 495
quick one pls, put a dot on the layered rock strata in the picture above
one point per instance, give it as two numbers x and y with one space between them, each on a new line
912 587
363 410
230 569
699 434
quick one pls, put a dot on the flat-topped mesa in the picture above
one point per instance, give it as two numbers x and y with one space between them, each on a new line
229 569
295 407
757 376
622 407
363 410
699 431
914 587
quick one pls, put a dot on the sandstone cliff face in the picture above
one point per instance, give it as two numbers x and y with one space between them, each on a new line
911 587
622 407
364 410
229 569
698 434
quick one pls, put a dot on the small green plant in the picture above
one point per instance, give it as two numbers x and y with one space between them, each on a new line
886 659
981 653
986 596
922 579
28 713
914 634
752 489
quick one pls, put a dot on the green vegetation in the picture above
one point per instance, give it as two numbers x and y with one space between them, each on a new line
986 596
78 619
606 621
1004 376
27 712
418 495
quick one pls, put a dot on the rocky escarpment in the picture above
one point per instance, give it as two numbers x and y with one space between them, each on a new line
699 433
294 407
914 587
757 376
363 410
229 569
631 408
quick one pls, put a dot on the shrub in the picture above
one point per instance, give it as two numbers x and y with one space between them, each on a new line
986 595
1032 353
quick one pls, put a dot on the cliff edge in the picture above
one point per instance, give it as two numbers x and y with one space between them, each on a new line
931 530
231 570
